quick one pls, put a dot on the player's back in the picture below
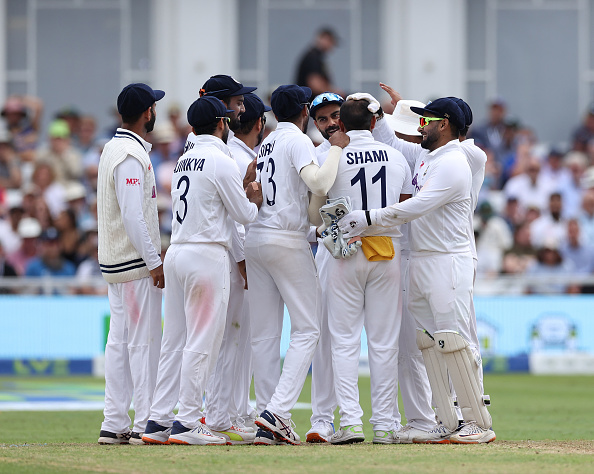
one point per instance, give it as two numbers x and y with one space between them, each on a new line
372 174
282 156
199 192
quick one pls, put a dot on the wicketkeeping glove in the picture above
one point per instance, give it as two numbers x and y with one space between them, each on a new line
333 239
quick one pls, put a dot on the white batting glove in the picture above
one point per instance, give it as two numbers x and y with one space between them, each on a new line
353 224
373 106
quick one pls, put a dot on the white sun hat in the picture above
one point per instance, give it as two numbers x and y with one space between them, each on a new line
403 120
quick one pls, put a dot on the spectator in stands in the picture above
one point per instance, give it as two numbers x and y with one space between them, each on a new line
512 213
528 187
586 217
494 239
68 235
522 254
10 171
312 69
6 270
86 134
64 158
490 134
46 186
29 232
554 173
89 267
573 193
550 226
72 117
23 118
50 261
9 224
584 134
579 257
549 264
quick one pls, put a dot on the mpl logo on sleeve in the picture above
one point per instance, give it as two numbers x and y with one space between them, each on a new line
132 181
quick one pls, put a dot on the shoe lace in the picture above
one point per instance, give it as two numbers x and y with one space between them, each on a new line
406 428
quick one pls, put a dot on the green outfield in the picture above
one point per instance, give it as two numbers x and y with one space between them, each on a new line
543 424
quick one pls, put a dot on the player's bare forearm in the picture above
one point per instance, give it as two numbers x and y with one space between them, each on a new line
394 95
253 192
158 276
243 273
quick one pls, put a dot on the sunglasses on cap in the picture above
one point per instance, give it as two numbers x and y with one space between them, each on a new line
326 97
424 121
227 119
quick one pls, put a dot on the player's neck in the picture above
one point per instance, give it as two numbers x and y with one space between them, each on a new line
249 140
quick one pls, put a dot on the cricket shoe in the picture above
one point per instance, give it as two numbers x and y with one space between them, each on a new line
265 438
471 433
282 428
250 421
409 434
384 437
348 434
200 435
320 432
107 437
241 423
155 433
136 438
236 435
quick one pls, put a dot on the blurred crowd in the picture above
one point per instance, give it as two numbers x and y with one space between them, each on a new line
535 214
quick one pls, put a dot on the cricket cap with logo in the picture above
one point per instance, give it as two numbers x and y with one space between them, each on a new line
136 98
288 100
206 110
443 108
254 108
222 86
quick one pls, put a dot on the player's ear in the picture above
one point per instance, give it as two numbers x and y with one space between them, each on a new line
341 125
372 125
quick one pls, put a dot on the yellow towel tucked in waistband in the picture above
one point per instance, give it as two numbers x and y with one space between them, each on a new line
377 248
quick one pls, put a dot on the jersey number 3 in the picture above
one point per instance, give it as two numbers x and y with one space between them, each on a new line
182 198
270 168
360 178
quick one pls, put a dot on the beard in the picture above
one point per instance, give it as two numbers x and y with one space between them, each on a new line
305 125
329 131
225 136
429 140
235 123
151 123
260 136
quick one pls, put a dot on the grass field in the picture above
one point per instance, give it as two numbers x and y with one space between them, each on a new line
543 424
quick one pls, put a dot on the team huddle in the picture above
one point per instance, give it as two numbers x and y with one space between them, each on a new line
390 200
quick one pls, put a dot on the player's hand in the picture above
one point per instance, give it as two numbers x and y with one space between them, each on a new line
353 224
394 95
158 276
250 173
253 192
243 273
339 138
374 106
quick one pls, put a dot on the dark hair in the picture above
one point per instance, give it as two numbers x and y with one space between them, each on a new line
292 118
464 131
132 118
207 129
246 127
454 129
355 116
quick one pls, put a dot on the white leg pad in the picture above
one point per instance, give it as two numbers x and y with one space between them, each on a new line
438 379
464 372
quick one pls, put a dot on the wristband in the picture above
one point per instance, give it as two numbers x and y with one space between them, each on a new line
368 217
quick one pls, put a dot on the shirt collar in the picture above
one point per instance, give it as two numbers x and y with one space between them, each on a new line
288 126
211 140
125 133
449 146
358 135
241 144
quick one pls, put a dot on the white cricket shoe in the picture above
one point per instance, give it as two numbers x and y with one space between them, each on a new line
282 428
236 435
250 421
320 432
200 435
384 437
155 433
240 422
471 433
348 434
438 435
107 437
136 438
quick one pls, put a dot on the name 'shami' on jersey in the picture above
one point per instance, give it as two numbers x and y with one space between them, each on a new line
360 157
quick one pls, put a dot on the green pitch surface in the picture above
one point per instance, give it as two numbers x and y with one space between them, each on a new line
543 424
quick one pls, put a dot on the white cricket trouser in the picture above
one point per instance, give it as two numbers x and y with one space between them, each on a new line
412 374
196 298
323 396
131 353
222 385
243 367
281 270
363 293
474 342
441 292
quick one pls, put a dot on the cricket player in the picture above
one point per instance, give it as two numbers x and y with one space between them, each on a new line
280 264
227 395
206 189
363 290
325 111
129 248
441 269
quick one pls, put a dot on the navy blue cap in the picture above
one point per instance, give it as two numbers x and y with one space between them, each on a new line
136 98
288 100
205 110
445 108
466 110
254 108
224 86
